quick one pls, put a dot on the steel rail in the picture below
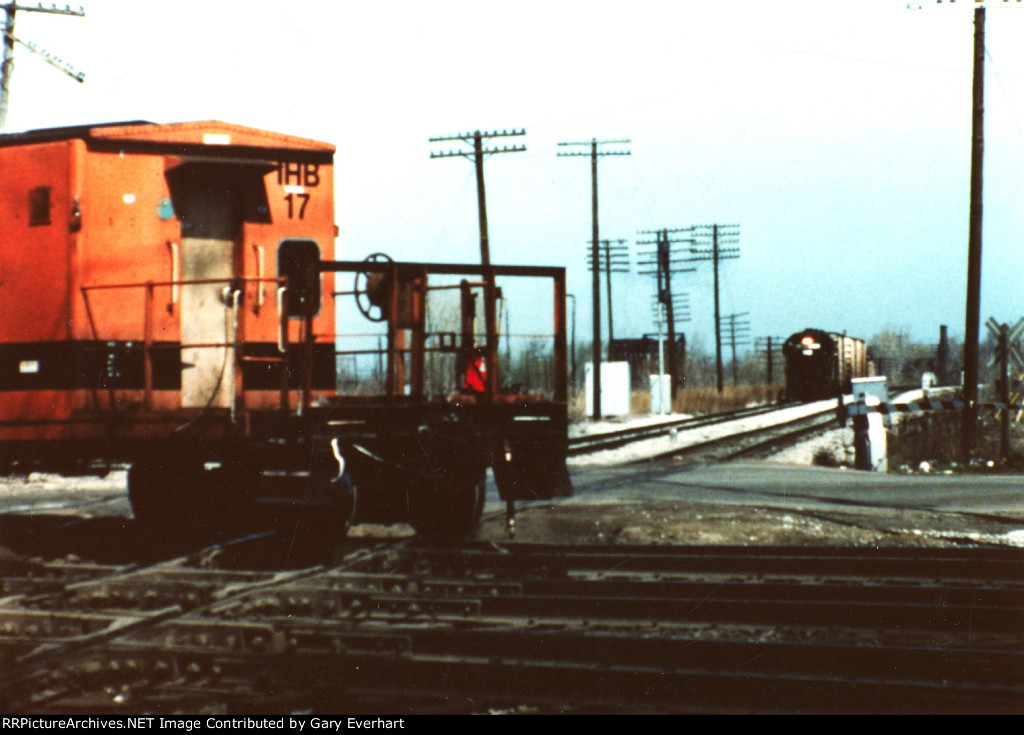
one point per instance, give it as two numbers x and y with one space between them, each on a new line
470 670
709 446
590 629
972 566
622 437
782 440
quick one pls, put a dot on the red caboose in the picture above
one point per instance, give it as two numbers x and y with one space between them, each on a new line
169 301
138 258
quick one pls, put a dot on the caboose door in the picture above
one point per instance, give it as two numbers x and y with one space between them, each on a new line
207 318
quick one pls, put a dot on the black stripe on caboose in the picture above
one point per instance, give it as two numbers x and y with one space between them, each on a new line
98 365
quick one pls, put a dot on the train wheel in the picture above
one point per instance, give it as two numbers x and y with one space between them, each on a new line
449 510
227 501
321 525
162 492
337 517
328 508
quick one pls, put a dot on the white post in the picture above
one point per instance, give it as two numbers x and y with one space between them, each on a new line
869 439
661 360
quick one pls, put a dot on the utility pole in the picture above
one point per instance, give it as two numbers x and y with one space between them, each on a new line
973 310
7 66
666 262
615 259
490 306
679 308
595 244
771 347
572 344
711 238
738 335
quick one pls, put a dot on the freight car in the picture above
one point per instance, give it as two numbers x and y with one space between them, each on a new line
171 303
821 364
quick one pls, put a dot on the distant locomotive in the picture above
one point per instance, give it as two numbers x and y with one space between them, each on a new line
170 302
822 364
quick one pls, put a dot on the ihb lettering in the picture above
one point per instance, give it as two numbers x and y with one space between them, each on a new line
293 173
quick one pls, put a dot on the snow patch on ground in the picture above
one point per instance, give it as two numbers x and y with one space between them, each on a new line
835 447
802 454
1016 538
1013 538
608 425
832 448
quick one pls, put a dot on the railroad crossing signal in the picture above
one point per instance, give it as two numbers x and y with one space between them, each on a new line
1014 333
1013 350
1009 359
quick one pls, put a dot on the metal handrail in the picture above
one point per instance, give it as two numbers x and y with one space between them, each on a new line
149 346
181 282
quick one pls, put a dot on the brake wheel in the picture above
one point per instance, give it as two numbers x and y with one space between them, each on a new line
367 289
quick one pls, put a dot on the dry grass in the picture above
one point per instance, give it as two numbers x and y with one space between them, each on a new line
577 407
691 400
732 397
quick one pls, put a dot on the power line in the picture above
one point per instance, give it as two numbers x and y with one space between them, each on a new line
708 242
614 258
772 348
595 241
666 262
736 332
7 66
477 138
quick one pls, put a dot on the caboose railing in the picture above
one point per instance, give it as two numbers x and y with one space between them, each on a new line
236 345
406 342
411 280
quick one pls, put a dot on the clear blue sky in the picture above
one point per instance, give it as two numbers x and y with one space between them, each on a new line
836 134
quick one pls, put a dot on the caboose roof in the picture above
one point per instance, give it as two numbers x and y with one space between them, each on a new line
207 133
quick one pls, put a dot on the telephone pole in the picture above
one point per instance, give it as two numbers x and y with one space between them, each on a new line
490 305
972 326
595 244
666 263
614 259
711 238
7 66
738 334
973 311
771 347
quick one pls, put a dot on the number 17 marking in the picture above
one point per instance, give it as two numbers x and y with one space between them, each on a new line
291 205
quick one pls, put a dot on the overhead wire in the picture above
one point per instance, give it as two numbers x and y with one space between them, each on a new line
1009 103
456 203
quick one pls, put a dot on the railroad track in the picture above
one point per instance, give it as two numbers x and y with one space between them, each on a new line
615 439
781 435
398 628
676 444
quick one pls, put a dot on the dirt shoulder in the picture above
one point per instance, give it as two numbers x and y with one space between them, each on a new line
679 522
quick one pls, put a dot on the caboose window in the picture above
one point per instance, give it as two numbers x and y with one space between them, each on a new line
39 206
296 261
